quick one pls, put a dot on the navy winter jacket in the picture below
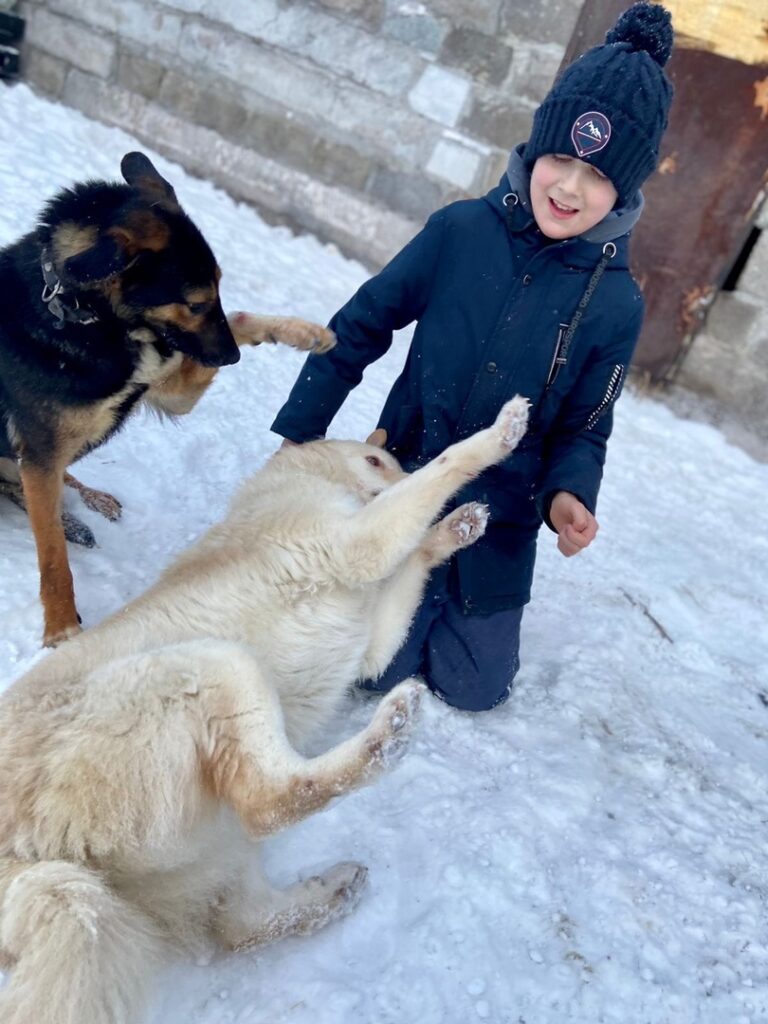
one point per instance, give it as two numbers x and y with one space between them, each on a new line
492 297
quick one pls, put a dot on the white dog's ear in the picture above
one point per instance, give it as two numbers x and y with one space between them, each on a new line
378 438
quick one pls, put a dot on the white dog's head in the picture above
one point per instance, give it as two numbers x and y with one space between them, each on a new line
373 467
365 469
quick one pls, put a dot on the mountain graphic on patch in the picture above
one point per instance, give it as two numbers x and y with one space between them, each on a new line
590 133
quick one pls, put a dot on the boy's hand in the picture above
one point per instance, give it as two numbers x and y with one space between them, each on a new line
576 526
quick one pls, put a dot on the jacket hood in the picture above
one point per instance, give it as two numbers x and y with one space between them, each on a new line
614 225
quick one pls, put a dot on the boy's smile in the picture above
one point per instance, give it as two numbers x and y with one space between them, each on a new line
569 196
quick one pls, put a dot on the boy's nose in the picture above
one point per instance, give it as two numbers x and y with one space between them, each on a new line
570 177
570 180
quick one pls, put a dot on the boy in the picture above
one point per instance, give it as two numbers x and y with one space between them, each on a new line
499 286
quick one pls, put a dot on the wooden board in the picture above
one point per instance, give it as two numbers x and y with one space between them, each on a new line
737 29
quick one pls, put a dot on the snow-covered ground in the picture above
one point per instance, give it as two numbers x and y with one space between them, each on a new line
593 851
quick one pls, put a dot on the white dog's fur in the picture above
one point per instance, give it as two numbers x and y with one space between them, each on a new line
139 762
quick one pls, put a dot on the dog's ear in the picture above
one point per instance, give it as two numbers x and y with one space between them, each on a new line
102 261
141 230
140 173
378 438
85 256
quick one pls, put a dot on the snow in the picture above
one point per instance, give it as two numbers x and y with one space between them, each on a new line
593 851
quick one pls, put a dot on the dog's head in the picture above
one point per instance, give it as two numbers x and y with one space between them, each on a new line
133 247
364 469
374 467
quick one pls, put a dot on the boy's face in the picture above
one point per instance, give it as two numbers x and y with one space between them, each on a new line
569 196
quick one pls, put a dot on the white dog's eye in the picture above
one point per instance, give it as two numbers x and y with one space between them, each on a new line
374 460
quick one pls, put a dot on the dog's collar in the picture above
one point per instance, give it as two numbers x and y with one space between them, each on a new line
52 296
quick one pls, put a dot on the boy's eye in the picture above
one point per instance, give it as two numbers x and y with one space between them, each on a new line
562 158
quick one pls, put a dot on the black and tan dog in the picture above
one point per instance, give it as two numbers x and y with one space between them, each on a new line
112 300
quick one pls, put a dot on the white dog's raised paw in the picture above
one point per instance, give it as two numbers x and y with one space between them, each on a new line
390 729
512 421
467 523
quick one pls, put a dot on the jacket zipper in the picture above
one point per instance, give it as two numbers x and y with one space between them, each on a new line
610 394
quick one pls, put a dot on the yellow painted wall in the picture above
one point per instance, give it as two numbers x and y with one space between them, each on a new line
731 28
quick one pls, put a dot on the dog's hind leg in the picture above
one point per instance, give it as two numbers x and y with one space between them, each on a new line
385 531
75 531
42 494
251 763
13 491
256 913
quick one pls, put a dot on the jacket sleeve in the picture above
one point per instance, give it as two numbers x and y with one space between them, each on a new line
387 302
575 450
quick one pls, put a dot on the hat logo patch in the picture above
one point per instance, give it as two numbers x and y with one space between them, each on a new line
590 133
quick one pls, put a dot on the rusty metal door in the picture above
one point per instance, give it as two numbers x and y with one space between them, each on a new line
713 173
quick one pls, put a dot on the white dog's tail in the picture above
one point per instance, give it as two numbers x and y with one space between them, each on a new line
79 954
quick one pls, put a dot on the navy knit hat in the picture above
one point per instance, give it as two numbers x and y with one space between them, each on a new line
610 107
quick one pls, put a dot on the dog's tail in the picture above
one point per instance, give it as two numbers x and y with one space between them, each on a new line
78 953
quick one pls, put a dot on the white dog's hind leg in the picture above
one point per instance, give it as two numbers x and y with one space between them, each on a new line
258 914
383 533
401 594
268 783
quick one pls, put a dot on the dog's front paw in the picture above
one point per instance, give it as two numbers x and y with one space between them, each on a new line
459 529
305 335
467 523
391 727
102 502
249 329
512 421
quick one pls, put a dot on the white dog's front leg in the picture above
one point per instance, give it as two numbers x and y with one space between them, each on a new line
383 533
401 595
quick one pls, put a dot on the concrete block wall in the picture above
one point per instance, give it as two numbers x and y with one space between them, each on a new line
728 360
350 118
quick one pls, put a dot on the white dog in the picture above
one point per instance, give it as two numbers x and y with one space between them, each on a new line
140 762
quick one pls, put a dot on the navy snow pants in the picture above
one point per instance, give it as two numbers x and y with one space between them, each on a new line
469 661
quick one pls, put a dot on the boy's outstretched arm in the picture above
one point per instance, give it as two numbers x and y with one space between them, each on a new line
363 328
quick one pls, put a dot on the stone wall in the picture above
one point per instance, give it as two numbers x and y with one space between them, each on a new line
350 118
728 360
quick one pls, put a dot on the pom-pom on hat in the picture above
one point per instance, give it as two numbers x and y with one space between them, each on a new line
610 107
